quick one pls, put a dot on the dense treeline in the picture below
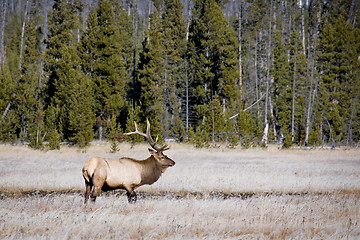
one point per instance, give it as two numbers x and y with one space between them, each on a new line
204 71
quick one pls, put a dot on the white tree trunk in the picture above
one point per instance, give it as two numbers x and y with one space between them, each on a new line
240 57
2 45
266 123
293 95
23 33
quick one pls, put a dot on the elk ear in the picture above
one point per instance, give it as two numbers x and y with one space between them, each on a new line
151 151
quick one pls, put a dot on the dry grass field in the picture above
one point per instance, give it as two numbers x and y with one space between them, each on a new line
208 194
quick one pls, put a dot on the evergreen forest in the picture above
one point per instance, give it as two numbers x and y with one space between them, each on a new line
234 72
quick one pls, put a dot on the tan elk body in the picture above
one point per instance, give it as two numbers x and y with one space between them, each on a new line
125 173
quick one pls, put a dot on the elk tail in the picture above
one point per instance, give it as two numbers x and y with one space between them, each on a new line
86 175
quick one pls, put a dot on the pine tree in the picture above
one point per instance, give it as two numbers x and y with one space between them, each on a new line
353 123
335 64
80 109
70 92
151 75
102 52
298 76
8 122
109 72
174 45
124 30
215 124
282 86
51 124
212 53
27 100
113 135
243 127
133 116
61 22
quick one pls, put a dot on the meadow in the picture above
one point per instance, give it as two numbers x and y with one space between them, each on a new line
214 193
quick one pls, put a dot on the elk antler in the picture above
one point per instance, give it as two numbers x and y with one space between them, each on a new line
148 137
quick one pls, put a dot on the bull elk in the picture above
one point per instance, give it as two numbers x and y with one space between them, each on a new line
125 173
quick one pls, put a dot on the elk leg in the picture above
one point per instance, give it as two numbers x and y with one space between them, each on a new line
98 183
131 195
95 193
87 191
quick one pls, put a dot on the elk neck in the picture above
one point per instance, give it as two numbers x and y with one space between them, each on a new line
150 171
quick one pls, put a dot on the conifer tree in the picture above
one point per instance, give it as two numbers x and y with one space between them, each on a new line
27 100
282 86
243 127
10 74
151 75
133 116
298 76
212 53
70 92
335 77
7 88
174 44
102 52
81 113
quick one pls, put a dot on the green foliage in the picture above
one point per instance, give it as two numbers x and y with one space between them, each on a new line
178 130
315 137
133 117
35 133
212 54
283 87
151 75
7 88
191 135
287 141
114 135
243 126
201 138
80 110
100 50
174 48
54 140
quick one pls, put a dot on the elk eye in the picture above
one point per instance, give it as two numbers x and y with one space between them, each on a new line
162 157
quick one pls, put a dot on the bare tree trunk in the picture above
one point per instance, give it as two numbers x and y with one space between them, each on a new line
352 12
100 132
271 111
134 54
240 42
149 12
308 114
23 33
21 50
303 25
165 95
2 45
188 19
349 136
293 95
256 81
331 135
213 119
6 110
187 104
312 92
186 72
266 123
311 100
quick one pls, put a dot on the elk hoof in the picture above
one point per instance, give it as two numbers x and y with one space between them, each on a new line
131 197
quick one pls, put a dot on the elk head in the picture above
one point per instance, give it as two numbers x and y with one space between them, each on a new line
156 151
